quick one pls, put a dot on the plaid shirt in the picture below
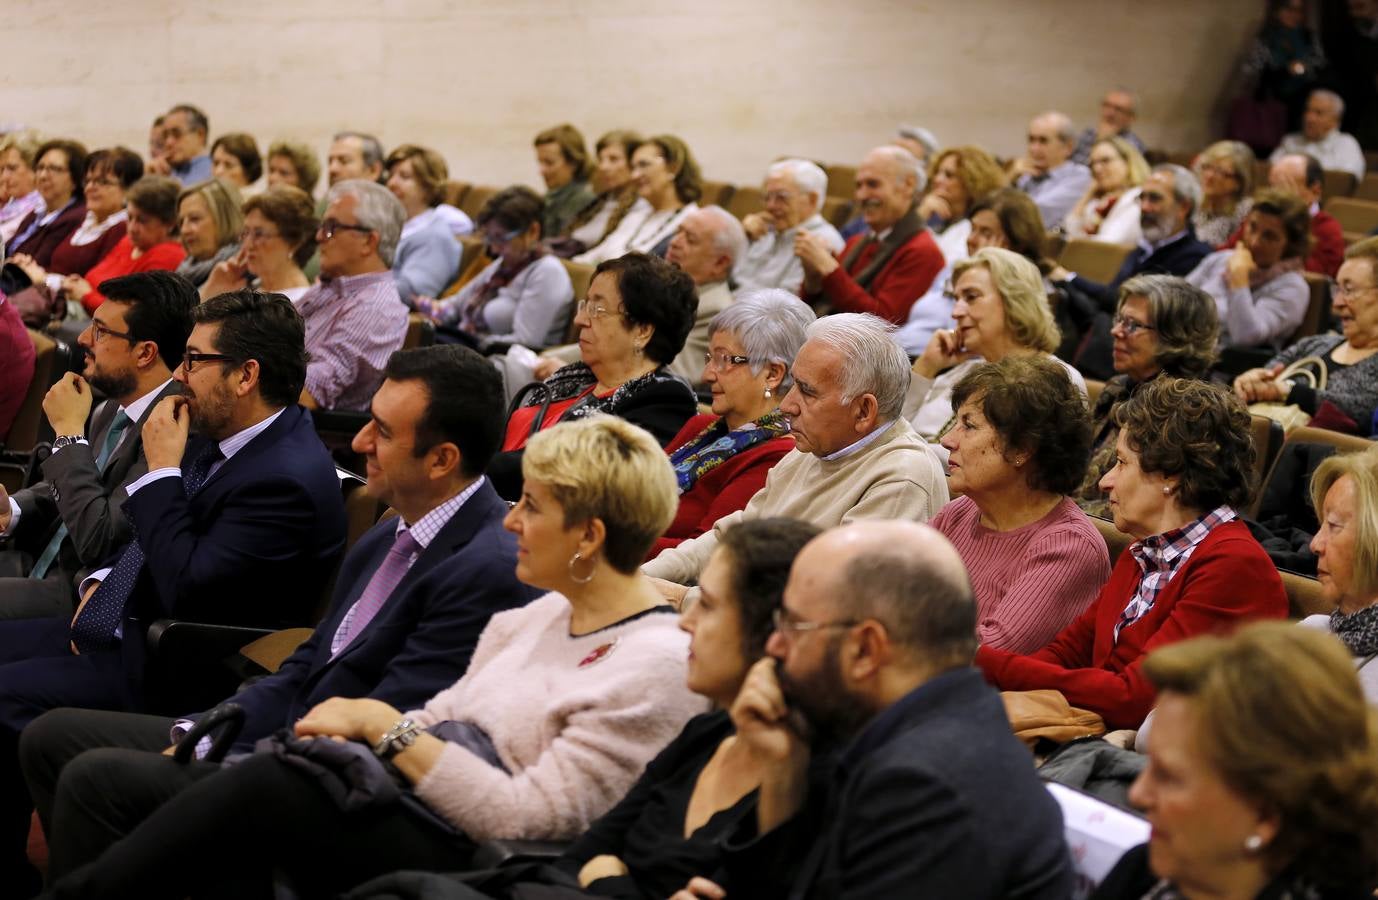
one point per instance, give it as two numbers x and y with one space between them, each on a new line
1161 556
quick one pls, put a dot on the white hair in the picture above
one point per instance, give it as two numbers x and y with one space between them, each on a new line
875 362
927 139
1335 100
807 176
1066 131
377 210
770 323
729 238
908 164
1185 188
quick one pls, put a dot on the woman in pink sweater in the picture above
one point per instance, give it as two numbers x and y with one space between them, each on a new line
1019 445
565 702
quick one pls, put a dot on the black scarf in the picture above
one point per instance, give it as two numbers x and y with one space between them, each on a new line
902 233
1358 630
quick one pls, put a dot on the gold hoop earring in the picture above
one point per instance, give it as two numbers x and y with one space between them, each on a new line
575 578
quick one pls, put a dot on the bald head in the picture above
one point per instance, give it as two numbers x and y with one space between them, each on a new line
888 182
1052 138
1299 175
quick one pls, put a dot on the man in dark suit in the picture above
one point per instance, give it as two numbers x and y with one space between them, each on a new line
1168 247
927 793
243 524
72 520
437 420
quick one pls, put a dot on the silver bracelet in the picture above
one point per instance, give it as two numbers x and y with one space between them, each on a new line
396 739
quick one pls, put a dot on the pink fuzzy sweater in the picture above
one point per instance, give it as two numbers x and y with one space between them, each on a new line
574 719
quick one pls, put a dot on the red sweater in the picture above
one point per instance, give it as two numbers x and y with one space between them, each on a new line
721 490
164 257
905 278
16 368
1228 580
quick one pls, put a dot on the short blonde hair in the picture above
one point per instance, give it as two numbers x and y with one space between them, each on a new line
1362 469
223 202
603 467
1138 166
1238 155
25 142
1020 285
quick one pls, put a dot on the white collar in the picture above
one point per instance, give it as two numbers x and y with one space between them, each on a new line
136 410
240 439
862 443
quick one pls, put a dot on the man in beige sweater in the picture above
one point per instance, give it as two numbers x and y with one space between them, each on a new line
855 456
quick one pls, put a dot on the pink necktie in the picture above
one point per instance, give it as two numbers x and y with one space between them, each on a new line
379 588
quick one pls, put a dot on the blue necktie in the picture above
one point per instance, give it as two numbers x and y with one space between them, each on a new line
107 447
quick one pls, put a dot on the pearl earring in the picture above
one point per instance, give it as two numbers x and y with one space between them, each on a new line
1253 843
767 393
1166 490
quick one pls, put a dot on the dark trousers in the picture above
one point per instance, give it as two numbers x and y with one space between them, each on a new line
36 598
234 827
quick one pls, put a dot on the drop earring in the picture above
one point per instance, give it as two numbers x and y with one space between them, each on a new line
767 393
1253 843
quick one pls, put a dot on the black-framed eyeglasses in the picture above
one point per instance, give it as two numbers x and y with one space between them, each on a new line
328 228
99 331
784 621
721 362
1130 326
190 359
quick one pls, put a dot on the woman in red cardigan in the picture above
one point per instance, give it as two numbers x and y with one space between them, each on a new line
147 246
722 459
1184 459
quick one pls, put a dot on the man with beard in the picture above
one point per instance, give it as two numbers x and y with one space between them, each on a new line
1168 247
893 771
72 520
241 525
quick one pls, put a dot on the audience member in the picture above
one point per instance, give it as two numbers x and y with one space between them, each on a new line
353 154
184 131
394 633
427 257
855 456
279 237
1225 170
72 520
1284 62
793 196
617 195
1321 137
957 179
885 270
148 244
293 164
1262 775
18 153
17 349
1048 174
1260 295
60 175
234 158
1163 327
354 317
563 159
1350 395
721 459
707 244
209 219
1302 176
524 745
1001 310
871 652
667 178
1018 448
1185 454
1118 108
632 324
155 140
1109 210
919 141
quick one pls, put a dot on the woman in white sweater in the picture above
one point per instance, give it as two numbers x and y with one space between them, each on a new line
564 703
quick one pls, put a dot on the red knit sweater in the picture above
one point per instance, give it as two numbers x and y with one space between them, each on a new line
1228 580
905 278
120 261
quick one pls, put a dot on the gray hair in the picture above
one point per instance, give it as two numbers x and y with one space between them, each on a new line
377 210
908 164
1335 99
373 150
1184 318
729 238
925 137
875 362
1066 131
807 176
772 325
1185 188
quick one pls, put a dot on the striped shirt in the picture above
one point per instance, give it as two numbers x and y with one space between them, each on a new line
1161 556
353 324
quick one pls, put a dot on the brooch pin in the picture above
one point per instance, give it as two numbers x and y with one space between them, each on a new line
598 654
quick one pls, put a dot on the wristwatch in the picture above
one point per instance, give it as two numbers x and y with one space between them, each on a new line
66 440
396 739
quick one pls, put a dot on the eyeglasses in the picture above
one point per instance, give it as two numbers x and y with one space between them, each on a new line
1214 169
1349 290
721 362
99 331
778 196
586 307
1130 326
330 226
257 235
190 359
497 239
105 181
784 622
49 167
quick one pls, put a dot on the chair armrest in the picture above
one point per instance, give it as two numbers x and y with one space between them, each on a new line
491 854
171 639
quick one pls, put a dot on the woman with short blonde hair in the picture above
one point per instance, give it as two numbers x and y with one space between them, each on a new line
1226 172
1109 211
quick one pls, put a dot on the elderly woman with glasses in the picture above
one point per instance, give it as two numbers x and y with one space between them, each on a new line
632 324
278 239
721 459
1226 172
1109 211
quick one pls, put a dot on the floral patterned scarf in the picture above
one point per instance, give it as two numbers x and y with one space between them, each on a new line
715 445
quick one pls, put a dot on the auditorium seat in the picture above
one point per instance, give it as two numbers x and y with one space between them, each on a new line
1093 389
1268 438
474 198
716 193
1304 597
420 332
1317 316
745 201
53 358
452 193
837 210
1368 188
1095 260
580 274
841 180
1336 184
1115 540
1356 217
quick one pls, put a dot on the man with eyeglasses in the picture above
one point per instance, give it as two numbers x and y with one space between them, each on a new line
354 316
890 767
794 192
184 132
707 244
1118 110
72 520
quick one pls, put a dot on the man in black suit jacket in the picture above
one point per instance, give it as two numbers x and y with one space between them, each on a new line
1168 247
72 521
243 524
437 420
928 794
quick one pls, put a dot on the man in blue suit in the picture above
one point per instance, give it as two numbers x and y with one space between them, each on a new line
437 420
242 524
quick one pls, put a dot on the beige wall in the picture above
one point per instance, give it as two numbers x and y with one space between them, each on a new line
741 81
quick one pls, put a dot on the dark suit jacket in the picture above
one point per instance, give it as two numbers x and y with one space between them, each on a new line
420 642
88 500
935 798
41 244
255 546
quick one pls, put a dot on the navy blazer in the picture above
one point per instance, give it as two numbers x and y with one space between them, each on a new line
255 546
420 641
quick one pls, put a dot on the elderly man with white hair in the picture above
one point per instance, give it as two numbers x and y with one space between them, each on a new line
1321 137
885 270
1047 173
707 244
855 455
794 193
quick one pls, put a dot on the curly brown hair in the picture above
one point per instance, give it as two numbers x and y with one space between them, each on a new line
1184 318
1196 432
977 170
1038 413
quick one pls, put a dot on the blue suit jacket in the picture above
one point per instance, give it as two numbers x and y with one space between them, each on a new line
255 546
420 641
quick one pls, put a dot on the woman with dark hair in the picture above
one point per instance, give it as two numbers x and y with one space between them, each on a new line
278 239
617 196
427 257
293 164
1017 449
667 178
60 177
1185 457
524 295
234 158
563 159
632 324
